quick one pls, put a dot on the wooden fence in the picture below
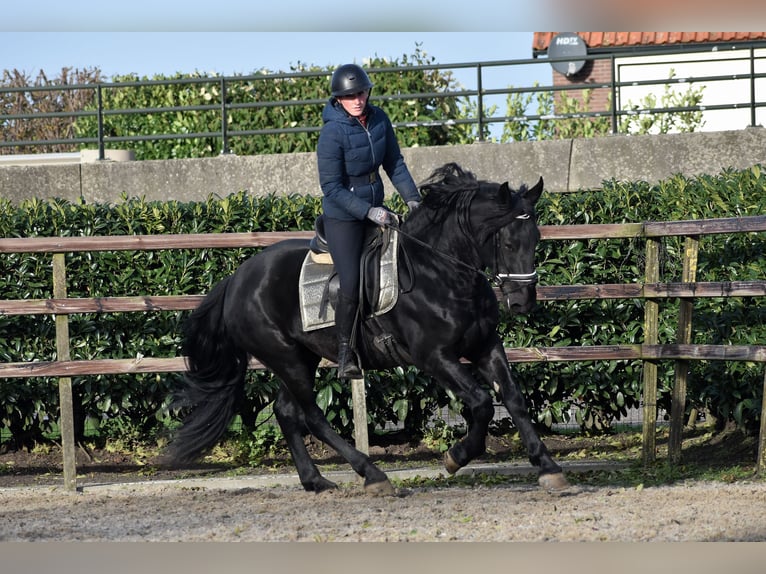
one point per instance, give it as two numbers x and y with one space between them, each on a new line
651 290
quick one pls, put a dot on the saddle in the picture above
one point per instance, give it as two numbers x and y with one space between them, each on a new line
319 284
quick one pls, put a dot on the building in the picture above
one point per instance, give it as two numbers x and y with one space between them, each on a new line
724 66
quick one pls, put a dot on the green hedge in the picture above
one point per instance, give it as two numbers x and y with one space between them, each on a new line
605 390
262 88
136 405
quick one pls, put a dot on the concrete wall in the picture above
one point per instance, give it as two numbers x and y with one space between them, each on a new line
565 165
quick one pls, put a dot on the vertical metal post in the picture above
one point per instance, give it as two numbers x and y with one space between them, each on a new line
359 402
614 94
684 335
480 103
224 120
100 117
651 337
752 87
66 407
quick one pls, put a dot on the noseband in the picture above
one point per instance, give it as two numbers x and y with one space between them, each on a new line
521 279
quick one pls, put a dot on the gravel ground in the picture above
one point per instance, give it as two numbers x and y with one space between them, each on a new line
270 509
120 499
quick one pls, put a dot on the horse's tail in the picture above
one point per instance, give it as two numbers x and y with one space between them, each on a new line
214 382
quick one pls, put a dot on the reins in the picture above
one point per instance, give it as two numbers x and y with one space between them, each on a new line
496 279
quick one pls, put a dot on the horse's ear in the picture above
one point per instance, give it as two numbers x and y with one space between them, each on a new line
534 193
505 192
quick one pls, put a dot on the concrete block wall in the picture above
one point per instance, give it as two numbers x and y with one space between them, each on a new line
565 165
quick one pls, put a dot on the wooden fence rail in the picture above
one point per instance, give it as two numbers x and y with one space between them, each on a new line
651 290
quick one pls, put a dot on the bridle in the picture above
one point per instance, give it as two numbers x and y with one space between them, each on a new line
521 279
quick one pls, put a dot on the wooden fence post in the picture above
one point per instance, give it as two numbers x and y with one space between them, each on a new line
66 407
359 402
651 337
684 335
760 468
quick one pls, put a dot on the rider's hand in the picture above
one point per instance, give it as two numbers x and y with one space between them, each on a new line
380 215
413 205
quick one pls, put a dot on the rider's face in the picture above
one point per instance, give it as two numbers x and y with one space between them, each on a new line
354 103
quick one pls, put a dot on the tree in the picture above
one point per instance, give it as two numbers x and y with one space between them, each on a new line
43 102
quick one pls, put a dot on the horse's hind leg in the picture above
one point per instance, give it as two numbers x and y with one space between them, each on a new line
293 424
296 411
375 480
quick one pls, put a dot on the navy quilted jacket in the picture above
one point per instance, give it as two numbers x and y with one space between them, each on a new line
347 153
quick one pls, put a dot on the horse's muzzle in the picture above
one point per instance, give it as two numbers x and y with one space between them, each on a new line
519 292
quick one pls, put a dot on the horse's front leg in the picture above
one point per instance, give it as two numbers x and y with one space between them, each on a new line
450 373
494 368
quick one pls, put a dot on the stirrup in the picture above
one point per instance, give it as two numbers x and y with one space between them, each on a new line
350 371
348 367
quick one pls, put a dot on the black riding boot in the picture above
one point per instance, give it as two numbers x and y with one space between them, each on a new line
345 318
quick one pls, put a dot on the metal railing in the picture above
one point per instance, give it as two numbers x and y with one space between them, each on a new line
482 90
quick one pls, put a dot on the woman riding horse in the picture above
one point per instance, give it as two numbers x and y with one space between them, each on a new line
448 314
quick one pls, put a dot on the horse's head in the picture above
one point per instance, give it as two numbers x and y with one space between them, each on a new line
486 224
509 251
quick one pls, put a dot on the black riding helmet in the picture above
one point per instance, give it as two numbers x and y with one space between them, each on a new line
349 79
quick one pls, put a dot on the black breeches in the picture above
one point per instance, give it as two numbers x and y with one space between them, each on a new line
345 240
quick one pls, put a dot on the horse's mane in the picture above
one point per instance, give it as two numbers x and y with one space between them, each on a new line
448 190
446 183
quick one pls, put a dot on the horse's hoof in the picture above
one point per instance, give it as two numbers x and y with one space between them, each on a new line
553 482
450 464
320 485
381 488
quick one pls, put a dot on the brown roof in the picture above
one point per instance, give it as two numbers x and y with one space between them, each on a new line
541 40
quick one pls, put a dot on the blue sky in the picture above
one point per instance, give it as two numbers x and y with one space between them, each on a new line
162 37
149 37
229 53
284 15
388 16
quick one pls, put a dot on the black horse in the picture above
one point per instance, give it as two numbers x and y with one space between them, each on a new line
446 316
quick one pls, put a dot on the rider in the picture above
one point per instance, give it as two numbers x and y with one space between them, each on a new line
356 139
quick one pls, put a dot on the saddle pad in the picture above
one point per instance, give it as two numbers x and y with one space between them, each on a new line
314 277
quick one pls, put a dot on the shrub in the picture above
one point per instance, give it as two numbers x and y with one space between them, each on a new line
593 394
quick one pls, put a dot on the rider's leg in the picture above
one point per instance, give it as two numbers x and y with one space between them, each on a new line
345 240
